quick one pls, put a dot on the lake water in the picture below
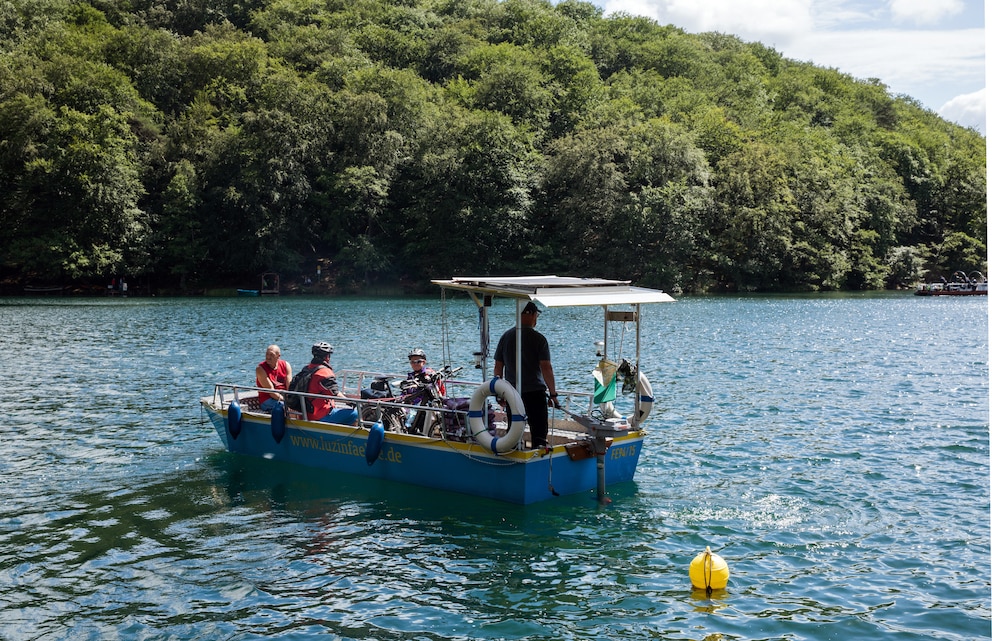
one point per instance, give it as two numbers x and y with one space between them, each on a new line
834 449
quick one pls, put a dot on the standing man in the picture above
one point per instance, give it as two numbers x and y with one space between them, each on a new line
537 379
273 373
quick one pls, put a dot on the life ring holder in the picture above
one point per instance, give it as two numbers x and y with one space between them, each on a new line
646 397
502 390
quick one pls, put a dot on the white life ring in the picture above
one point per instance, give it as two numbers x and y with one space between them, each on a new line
646 397
477 416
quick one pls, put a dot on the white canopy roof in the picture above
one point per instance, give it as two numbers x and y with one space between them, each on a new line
559 291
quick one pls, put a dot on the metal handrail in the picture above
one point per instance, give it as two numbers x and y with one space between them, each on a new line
567 399
220 399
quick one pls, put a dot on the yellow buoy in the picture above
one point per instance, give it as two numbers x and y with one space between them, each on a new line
709 571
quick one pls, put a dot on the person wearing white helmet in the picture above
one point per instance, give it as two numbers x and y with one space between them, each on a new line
418 366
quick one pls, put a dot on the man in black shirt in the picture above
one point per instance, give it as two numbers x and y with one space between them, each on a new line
537 381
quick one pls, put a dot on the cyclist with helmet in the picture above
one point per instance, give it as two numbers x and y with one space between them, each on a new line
418 364
429 387
324 382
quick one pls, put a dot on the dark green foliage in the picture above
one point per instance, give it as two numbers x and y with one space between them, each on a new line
395 140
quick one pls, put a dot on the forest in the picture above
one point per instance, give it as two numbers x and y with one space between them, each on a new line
184 144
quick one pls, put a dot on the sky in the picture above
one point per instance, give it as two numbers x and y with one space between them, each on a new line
931 50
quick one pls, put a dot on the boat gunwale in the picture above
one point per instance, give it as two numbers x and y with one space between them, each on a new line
471 449
219 402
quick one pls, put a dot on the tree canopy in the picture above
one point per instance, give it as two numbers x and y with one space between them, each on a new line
402 140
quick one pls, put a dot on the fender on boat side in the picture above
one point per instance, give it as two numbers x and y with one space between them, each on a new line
234 419
278 421
373 446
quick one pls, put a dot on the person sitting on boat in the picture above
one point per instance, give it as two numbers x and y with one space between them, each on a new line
273 373
419 370
324 382
418 364
537 380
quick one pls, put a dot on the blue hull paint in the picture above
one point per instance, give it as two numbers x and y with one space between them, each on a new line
517 477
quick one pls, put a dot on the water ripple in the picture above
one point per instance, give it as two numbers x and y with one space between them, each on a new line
835 450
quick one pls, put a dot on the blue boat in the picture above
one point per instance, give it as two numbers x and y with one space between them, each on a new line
448 433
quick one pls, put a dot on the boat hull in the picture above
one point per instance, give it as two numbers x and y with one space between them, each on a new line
517 477
973 284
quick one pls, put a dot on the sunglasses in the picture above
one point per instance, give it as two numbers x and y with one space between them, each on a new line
417 360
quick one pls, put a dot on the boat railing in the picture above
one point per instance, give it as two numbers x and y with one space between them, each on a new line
959 283
353 381
247 395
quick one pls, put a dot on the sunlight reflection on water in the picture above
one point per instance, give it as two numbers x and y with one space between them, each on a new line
834 449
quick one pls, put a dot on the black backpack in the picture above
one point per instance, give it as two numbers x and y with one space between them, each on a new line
301 383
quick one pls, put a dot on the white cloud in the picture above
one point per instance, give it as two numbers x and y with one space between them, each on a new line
932 63
845 14
903 60
924 11
967 110
751 20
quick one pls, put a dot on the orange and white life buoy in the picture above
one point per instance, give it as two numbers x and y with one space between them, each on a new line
477 415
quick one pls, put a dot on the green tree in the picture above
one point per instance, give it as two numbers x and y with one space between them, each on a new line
181 242
405 138
752 220
960 252
75 195
574 87
466 196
